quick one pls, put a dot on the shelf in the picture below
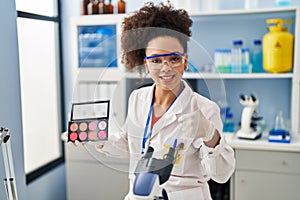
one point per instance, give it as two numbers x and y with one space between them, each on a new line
189 75
115 74
236 76
244 11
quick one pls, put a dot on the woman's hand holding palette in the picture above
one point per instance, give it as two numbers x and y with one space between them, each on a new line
91 123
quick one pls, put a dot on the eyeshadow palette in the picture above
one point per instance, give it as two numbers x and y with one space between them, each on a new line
90 123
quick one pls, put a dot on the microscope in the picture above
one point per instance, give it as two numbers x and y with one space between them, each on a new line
9 180
151 173
249 129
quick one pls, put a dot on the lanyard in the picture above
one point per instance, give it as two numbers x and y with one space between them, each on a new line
146 136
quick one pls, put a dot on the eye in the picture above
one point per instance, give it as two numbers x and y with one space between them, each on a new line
155 60
175 59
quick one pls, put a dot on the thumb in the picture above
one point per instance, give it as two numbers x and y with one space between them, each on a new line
194 104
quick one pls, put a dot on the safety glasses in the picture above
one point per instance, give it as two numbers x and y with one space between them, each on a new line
172 59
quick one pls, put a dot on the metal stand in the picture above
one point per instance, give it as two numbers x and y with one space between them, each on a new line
9 180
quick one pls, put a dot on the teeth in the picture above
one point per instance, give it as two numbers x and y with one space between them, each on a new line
166 77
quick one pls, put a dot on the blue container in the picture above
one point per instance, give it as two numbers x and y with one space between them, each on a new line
256 57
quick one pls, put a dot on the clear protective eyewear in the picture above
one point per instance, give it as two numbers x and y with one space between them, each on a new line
173 59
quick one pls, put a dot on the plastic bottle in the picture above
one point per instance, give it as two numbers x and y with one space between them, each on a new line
282 3
228 63
217 59
121 6
251 4
228 123
245 60
236 56
278 47
256 57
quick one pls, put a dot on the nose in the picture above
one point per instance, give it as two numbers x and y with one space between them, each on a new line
166 66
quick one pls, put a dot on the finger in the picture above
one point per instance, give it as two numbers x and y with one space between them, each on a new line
72 143
78 143
194 104
64 136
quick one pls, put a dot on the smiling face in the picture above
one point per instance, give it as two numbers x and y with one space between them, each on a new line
167 77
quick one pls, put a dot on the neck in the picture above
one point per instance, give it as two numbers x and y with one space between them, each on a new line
165 97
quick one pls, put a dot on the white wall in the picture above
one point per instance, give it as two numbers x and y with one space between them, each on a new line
51 185
10 107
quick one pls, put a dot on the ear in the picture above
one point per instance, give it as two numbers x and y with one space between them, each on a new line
186 63
146 67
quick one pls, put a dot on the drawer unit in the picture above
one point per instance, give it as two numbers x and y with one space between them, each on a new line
270 161
250 185
94 181
266 175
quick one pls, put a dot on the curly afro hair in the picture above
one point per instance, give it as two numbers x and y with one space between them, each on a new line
149 22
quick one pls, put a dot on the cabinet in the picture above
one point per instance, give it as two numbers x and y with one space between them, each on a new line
267 175
93 176
210 30
218 30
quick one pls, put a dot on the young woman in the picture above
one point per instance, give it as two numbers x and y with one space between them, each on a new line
156 38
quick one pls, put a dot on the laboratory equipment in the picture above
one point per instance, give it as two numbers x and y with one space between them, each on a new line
279 133
151 173
245 67
92 7
101 7
278 47
83 7
228 126
109 8
256 57
121 6
9 180
283 3
251 4
247 130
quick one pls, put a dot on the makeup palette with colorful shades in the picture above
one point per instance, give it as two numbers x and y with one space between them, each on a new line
89 121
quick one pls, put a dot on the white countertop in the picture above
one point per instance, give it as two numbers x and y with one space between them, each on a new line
263 144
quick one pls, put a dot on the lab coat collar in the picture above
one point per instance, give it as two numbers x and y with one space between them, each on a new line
175 110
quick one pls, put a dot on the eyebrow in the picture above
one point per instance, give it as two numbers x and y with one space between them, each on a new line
165 54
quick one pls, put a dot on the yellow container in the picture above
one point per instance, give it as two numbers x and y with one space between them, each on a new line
278 47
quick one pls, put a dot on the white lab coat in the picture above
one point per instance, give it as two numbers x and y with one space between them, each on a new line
197 163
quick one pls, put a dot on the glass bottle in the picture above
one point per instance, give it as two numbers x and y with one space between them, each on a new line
84 5
121 6
279 121
93 7
101 7
109 8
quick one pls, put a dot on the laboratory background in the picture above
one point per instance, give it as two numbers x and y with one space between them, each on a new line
57 54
